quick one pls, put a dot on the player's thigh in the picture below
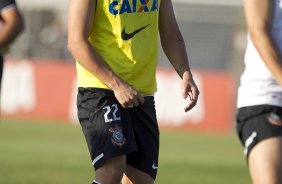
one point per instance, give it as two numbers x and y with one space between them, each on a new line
265 161
267 152
137 176
113 167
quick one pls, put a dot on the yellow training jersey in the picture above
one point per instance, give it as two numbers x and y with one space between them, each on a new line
125 35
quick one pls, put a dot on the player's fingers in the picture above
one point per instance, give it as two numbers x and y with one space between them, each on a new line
191 95
127 105
135 102
190 105
185 92
193 99
141 99
194 93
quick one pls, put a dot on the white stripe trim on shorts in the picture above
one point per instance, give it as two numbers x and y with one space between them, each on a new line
249 141
98 158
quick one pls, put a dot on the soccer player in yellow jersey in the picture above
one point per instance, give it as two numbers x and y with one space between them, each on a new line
115 45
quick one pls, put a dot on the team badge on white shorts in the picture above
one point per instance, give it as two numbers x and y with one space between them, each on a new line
117 135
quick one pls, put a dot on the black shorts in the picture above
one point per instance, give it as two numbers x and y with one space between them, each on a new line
256 123
111 130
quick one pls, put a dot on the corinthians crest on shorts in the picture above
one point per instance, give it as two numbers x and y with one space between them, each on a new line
274 119
117 135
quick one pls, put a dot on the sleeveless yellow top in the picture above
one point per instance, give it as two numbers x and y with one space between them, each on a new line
125 35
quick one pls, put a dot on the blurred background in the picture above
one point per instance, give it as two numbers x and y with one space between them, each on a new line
39 142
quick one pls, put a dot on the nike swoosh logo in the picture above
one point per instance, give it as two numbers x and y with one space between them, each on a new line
127 36
154 166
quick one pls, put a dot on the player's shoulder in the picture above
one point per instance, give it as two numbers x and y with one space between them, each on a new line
5 3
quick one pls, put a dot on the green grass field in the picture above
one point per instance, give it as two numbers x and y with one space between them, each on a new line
50 153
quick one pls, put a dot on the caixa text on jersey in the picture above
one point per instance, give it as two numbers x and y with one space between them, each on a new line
133 6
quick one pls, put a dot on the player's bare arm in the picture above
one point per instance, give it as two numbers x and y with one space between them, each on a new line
258 16
79 26
174 48
13 24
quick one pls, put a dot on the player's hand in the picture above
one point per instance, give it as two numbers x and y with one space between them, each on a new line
189 89
127 96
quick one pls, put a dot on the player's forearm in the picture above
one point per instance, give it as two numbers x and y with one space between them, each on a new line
268 51
93 63
175 50
13 25
9 32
